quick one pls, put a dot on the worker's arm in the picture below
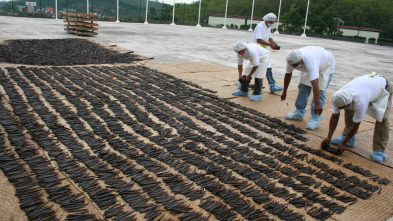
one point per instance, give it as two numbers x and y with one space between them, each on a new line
315 88
251 72
287 80
332 127
348 136
262 42
240 70
273 43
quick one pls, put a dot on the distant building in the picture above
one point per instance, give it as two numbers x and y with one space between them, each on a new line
360 31
339 21
219 19
25 8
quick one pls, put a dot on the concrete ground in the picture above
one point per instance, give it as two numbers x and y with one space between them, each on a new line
204 56
166 43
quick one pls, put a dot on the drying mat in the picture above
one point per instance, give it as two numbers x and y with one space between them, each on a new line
376 208
131 143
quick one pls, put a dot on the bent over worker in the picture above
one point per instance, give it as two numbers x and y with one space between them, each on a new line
368 94
317 66
262 35
258 60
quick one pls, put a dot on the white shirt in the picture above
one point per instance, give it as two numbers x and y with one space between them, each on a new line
253 53
315 59
363 89
261 31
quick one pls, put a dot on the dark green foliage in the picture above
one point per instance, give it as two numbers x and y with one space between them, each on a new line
364 13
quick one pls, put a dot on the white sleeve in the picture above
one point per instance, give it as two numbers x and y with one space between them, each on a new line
258 32
314 73
360 111
289 68
312 68
270 33
335 110
239 59
255 58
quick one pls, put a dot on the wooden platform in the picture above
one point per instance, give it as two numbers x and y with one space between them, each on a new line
81 24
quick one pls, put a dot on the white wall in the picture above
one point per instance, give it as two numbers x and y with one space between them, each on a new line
215 21
365 34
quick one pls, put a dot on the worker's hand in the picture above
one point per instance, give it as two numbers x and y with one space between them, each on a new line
325 141
318 109
341 148
247 79
283 96
273 46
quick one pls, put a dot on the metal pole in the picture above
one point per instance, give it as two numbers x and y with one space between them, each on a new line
87 6
147 7
12 5
252 14
278 19
225 19
199 15
92 6
56 9
204 13
173 14
117 11
162 11
67 5
305 23
140 6
184 11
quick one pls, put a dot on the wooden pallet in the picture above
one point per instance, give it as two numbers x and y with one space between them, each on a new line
81 24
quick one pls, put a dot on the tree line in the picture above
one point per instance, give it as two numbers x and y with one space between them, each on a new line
376 14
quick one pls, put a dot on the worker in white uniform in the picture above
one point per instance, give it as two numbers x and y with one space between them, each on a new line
258 61
262 35
317 67
369 94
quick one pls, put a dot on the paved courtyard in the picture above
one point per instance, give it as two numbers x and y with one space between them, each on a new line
166 43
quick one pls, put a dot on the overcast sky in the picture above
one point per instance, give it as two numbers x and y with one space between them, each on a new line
165 1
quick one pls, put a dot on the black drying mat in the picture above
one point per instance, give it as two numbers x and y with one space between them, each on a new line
71 51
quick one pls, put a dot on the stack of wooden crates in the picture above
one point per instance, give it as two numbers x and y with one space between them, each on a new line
81 24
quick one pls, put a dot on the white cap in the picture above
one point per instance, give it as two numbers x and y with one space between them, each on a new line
293 57
270 17
239 45
341 98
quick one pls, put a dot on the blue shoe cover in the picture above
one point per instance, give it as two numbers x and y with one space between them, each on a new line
313 123
240 93
378 156
336 141
255 97
239 85
274 88
295 115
